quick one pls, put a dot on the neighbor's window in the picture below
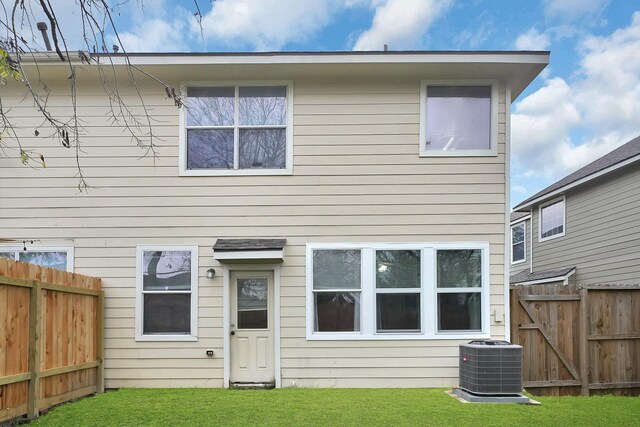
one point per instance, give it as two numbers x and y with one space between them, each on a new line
392 291
336 290
459 287
61 259
167 292
552 220
457 120
237 128
518 243
398 290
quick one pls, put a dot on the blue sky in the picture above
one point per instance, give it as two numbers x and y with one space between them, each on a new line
586 103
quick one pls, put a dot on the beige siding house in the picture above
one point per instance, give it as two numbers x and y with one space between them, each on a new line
585 228
310 219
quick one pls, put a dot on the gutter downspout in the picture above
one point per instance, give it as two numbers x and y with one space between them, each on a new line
531 240
507 205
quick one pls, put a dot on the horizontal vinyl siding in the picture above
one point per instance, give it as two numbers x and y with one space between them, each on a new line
357 177
602 231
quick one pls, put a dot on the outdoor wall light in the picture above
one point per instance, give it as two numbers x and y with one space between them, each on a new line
210 273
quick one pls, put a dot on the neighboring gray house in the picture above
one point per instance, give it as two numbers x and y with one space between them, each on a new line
584 228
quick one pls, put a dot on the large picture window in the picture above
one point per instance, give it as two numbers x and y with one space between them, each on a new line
458 118
167 293
359 291
237 129
58 258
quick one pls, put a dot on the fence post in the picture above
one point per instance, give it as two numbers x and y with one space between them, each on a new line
100 343
35 327
513 307
584 343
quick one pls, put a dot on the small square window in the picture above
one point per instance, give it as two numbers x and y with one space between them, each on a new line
458 119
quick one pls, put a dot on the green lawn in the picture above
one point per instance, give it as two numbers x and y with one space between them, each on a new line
332 407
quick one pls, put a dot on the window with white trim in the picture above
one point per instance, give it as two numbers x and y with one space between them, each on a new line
518 249
237 129
336 290
167 293
458 118
60 258
397 291
552 220
459 288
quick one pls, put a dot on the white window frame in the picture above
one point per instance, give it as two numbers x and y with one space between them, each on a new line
70 250
387 291
428 293
524 241
493 135
193 336
562 199
287 170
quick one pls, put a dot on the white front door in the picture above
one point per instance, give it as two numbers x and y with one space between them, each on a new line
252 327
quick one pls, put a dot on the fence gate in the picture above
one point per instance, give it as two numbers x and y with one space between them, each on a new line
577 339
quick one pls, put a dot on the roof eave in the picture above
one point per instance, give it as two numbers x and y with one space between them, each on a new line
561 278
546 196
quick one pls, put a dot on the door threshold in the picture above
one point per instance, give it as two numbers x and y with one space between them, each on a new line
252 385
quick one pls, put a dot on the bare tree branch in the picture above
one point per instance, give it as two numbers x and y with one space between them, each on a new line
20 64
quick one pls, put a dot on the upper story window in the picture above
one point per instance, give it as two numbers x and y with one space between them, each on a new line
458 119
552 220
237 130
397 291
518 249
59 258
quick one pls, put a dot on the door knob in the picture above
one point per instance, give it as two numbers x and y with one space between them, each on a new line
233 332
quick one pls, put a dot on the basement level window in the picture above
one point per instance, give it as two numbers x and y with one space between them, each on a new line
237 129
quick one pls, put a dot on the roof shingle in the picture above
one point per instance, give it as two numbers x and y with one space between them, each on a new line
249 244
525 276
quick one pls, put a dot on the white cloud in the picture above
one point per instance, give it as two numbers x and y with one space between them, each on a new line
400 23
533 40
572 9
602 104
541 124
154 35
266 24
519 189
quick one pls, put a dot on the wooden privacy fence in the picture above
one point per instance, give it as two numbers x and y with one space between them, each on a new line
578 339
51 338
